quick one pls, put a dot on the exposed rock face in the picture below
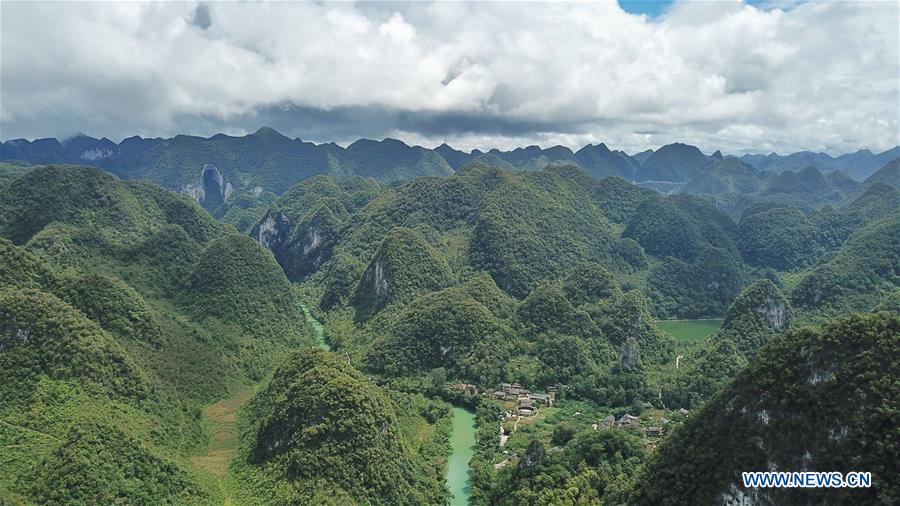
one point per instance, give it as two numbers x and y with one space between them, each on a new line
194 191
272 230
302 248
630 358
774 311
380 283
314 239
533 455
215 190
375 280
211 190
628 317
309 247
210 170
96 154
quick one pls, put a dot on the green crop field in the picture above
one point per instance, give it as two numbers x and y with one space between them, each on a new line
690 331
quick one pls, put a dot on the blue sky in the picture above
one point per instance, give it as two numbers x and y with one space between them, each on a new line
651 8
654 8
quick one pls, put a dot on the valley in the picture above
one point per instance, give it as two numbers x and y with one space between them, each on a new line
220 421
690 335
318 329
604 253
461 435
365 343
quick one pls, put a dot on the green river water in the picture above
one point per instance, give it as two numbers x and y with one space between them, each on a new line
462 433
462 443
318 328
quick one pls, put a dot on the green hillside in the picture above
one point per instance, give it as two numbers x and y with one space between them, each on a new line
445 329
725 176
808 185
301 226
98 463
44 337
673 162
758 313
150 354
819 399
217 169
756 316
124 309
778 236
864 270
483 275
321 433
404 266
889 175
244 208
238 282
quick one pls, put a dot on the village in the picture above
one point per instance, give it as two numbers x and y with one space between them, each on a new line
528 411
525 402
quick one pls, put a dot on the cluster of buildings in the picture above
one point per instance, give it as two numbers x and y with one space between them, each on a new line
628 420
526 400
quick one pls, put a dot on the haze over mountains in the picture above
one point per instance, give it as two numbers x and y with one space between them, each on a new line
267 160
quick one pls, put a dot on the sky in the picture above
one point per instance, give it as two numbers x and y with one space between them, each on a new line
758 77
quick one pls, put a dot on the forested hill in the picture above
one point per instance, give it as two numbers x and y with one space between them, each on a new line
493 274
814 399
858 165
124 308
213 169
556 279
322 433
526 228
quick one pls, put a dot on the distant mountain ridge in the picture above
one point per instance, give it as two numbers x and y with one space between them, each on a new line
858 165
210 169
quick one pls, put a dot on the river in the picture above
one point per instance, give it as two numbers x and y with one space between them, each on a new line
462 444
462 433
318 328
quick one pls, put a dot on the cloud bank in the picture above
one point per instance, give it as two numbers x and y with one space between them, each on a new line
819 76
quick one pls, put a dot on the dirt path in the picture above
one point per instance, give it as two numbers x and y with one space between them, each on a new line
223 437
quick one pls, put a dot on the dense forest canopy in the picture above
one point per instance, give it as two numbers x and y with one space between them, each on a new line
119 305
127 310
820 399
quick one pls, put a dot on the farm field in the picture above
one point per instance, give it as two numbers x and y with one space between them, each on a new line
690 331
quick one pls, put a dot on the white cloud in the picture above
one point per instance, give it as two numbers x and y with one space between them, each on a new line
821 76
